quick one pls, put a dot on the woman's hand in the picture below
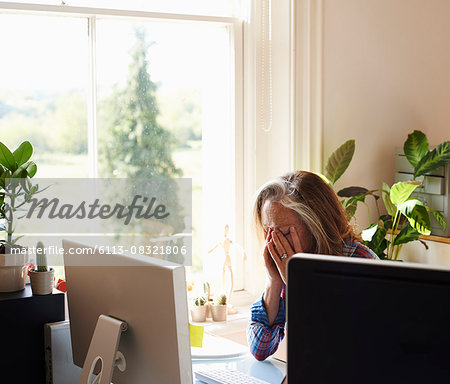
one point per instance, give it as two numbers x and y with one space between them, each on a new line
271 297
280 249
271 267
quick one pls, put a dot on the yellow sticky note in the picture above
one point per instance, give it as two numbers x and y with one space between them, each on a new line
196 332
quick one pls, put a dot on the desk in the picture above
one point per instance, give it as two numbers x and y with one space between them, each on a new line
271 370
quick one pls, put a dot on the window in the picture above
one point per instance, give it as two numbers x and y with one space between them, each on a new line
70 79
44 83
223 8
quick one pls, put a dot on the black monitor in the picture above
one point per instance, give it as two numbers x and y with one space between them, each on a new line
354 320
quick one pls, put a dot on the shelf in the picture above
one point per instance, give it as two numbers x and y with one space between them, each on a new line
438 239
22 320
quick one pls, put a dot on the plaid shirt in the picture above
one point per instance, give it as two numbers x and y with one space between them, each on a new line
264 339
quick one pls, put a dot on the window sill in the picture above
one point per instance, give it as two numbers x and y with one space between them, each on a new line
234 328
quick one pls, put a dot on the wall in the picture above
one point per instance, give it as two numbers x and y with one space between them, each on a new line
372 70
386 72
267 151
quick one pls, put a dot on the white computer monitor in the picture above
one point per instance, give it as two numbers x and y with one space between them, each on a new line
148 295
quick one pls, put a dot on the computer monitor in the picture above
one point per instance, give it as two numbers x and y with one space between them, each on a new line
148 295
363 321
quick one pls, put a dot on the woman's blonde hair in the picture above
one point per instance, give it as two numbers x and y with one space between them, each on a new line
316 204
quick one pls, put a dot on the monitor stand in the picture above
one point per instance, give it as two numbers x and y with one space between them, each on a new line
104 348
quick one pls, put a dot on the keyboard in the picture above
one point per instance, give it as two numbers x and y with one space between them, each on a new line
226 376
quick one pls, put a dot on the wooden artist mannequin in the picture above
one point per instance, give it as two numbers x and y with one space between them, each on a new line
226 245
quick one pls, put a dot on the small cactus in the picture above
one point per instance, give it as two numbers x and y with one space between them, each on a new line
207 290
198 301
41 258
221 299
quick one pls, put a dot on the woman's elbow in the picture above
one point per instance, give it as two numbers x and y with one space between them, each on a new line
260 357
258 346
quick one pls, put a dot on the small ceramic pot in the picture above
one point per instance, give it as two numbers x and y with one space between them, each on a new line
219 312
208 309
198 313
42 282
13 272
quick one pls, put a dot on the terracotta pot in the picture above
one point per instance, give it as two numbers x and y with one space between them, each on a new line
13 272
198 313
219 312
42 282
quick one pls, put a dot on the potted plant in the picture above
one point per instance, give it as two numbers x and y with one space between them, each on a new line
16 170
207 292
198 310
407 217
219 309
335 167
42 278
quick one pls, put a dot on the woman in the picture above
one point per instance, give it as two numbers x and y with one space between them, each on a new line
297 212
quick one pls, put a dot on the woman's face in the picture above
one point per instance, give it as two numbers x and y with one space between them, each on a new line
275 215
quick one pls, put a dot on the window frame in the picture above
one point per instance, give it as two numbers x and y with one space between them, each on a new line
296 41
235 27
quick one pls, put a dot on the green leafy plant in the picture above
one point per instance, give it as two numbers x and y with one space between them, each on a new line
337 163
423 159
407 218
41 258
199 301
16 170
221 299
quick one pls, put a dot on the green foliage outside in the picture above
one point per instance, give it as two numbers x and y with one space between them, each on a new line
132 142
134 145
165 131
53 123
181 112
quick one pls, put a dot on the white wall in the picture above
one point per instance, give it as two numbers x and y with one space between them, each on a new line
386 72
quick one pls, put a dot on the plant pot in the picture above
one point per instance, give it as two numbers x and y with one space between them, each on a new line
42 282
13 272
208 309
198 313
219 312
